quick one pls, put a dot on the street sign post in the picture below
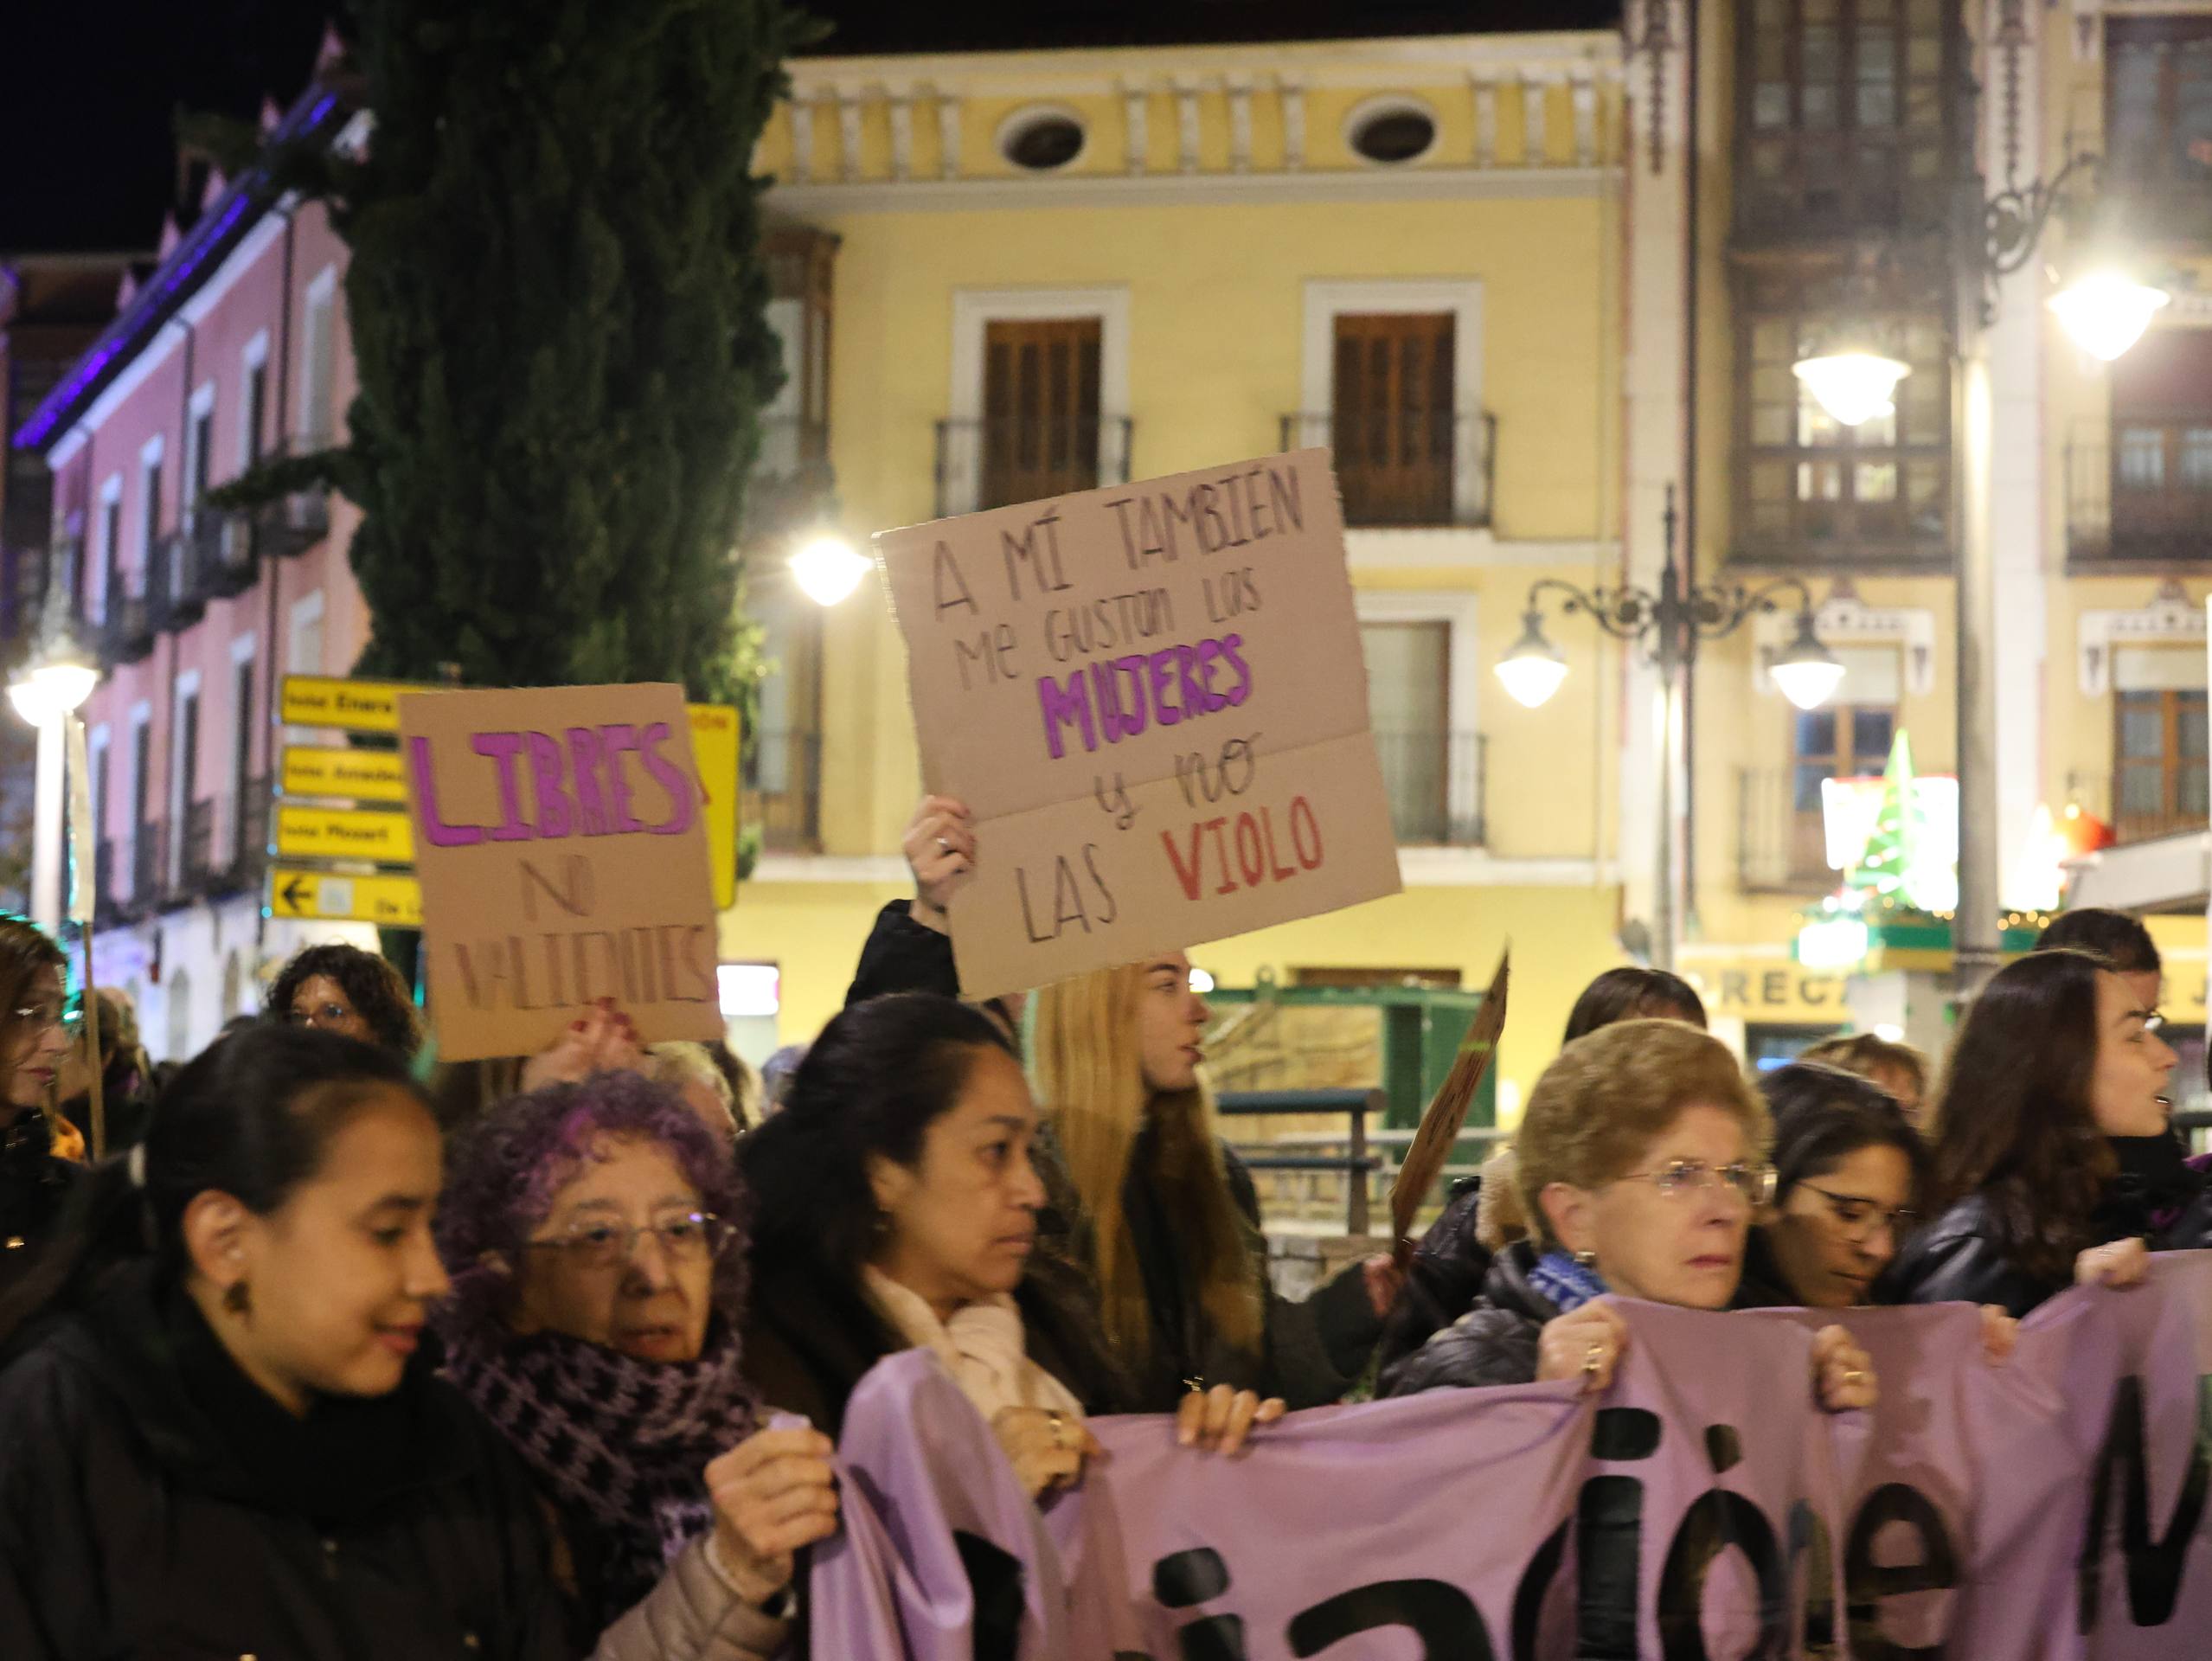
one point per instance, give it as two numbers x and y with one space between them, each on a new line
370 776
352 706
390 901
344 833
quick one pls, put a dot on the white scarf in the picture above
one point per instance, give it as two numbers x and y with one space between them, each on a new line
981 1346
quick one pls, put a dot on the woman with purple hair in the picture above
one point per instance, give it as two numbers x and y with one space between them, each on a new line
594 1233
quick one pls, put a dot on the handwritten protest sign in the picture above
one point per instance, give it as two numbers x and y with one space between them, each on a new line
562 854
1152 699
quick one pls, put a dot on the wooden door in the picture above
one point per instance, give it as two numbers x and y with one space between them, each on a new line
1393 426
1040 433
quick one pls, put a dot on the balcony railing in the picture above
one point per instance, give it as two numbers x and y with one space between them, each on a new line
175 598
149 869
2158 807
250 830
126 632
782 790
196 863
105 911
2154 510
225 547
1405 467
1434 784
1780 846
991 464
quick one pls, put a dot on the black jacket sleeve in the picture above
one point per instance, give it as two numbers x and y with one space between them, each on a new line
1317 1348
1488 1345
1443 1280
1962 1268
902 956
51 1556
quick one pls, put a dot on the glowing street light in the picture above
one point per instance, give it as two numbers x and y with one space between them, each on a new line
827 570
1854 386
2104 311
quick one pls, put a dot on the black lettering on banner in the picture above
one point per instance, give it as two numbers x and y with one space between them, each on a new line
1535 1585
1609 1537
943 565
1809 1545
995 1583
1043 562
1716 1521
1193 1577
2154 1563
1867 1582
1442 1616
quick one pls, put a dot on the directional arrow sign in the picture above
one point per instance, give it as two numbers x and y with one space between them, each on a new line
393 901
344 833
355 775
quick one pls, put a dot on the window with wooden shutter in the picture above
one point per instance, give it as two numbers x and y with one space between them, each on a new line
1041 409
2160 765
1393 422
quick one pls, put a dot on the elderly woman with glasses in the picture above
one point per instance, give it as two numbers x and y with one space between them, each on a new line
595 1235
1641 1163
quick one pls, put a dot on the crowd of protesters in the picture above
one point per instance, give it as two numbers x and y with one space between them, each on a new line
342 1351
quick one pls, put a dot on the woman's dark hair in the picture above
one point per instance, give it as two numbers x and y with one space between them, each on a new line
2118 938
2014 1121
1823 1115
26 953
507 1168
1630 993
879 1074
377 991
251 1117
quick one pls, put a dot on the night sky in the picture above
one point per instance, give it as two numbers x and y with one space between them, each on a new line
88 88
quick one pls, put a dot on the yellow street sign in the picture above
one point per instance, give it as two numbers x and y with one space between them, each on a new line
344 833
356 775
393 901
714 746
354 706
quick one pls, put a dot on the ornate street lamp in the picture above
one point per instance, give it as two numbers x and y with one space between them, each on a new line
827 570
47 691
1671 624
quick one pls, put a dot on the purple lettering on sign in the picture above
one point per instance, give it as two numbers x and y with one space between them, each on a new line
502 749
435 831
682 808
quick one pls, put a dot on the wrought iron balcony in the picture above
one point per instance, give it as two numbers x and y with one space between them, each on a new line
996 462
1434 781
2142 499
1405 467
126 630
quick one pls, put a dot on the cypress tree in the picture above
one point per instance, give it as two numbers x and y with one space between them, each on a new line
556 299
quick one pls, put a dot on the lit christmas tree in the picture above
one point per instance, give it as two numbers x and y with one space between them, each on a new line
1886 866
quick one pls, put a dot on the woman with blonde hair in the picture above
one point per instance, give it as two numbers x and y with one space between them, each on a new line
1162 1216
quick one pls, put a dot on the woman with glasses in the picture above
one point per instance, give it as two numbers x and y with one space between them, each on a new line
593 1232
2054 1162
1642 1161
1848 1169
354 993
34 1181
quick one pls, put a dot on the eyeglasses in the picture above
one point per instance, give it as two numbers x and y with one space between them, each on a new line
1860 1216
45 1014
688 1238
324 1015
1683 1177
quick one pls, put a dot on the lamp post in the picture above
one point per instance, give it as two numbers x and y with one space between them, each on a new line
47 692
826 568
2104 309
1671 624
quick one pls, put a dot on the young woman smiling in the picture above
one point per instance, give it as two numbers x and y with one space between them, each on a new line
233 1448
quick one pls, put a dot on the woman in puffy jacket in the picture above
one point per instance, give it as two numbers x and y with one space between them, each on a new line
2054 1160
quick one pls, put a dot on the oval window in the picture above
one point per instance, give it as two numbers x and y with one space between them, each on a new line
1394 135
1043 141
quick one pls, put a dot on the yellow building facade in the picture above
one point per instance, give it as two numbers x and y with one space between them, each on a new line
1204 229
1213 253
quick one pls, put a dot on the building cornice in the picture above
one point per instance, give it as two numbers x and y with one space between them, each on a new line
826 200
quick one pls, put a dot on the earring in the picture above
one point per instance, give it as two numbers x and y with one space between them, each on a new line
237 1300
1587 1260
882 1222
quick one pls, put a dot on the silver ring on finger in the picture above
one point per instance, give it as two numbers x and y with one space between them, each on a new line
1058 1430
943 845
1591 1357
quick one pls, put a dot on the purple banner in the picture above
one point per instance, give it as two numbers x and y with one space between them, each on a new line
2049 1508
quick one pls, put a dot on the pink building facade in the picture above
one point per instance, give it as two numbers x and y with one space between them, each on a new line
233 351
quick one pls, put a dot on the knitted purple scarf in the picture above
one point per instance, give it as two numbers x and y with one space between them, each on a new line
622 1443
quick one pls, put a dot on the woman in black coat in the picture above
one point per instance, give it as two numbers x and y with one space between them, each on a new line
232 1449
2054 1159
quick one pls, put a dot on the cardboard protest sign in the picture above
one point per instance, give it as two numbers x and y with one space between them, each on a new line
1152 699
562 853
